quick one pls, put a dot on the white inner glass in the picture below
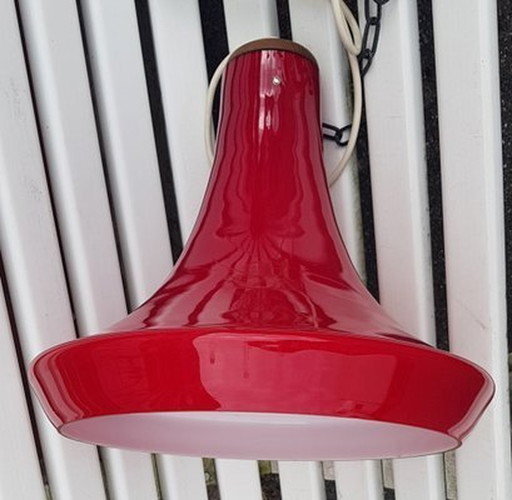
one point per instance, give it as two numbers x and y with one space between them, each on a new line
271 436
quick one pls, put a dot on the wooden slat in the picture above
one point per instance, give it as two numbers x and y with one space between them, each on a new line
182 478
247 20
66 117
122 101
182 71
180 57
359 480
470 135
238 479
20 474
32 258
301 481
313 25
394 111
65 111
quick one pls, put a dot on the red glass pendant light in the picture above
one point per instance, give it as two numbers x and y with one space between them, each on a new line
263 343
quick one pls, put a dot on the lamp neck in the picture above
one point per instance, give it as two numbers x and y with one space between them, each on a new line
268 181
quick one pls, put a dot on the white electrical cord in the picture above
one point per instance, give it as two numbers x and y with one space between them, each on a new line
209 134
350 36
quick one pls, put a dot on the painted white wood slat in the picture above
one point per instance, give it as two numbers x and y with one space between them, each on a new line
301 481
245 20
248 20
182 71
394 112
121 95
32 258
65 111
20 474
470 136
361 480
182 478
313 25
238 479
66 117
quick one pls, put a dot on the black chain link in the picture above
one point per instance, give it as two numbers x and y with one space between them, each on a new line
370 42
371 33
338 134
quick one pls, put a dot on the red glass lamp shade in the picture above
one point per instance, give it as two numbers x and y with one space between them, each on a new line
263 342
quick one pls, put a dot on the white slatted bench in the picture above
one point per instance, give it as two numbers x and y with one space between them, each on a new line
84 236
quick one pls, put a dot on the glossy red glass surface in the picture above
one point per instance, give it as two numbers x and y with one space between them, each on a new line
264 311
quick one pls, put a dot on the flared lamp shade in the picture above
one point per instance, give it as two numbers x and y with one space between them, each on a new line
263 343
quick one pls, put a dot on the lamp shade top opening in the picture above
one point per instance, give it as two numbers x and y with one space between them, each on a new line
263 342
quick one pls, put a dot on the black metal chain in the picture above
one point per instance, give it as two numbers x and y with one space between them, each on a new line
370 42
371 33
